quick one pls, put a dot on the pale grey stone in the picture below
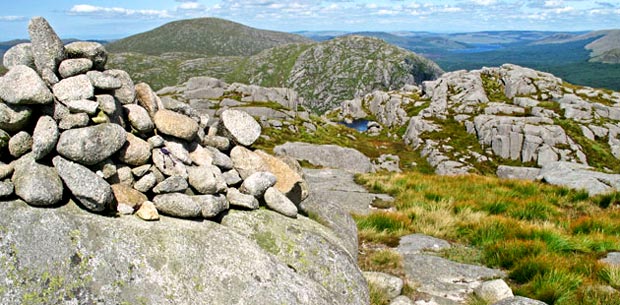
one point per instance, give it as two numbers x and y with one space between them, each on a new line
206 179
6 188
276 201
220 159
103 81
126 94
200 156
14 117
494 291
168 164
332 156
47 49
36 184
73 67
124 175
175 124
74 88
82 106
91 145
139 118
178 149
135 151
156 141
94 51
218 142
141 170
239 127
146 183
519 301
579 176
247 162
20 143
22 85
238 199
172 184
417 243
177 205
92 191
517 172
19 54
232 177
212 205
74 120
257 183
391 285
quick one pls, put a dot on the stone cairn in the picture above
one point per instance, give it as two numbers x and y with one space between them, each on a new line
70 127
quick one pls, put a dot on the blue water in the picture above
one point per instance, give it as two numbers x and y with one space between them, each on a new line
359 125
478 48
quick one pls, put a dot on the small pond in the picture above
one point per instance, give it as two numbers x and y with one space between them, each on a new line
360 125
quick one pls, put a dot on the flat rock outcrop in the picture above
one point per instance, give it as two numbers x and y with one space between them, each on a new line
331 156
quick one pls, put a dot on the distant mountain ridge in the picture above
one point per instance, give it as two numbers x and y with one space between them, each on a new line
323 73
205 36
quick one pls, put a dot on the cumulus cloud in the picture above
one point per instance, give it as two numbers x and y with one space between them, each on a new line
12 18
91 10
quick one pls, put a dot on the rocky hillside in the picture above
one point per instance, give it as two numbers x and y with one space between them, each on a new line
323 73
475 121
204 36
604 46
113 195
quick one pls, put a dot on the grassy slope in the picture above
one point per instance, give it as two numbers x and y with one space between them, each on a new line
548 238
206 36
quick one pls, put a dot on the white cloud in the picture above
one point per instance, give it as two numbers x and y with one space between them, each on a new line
484 2
554 3
87 9
190 6
12 18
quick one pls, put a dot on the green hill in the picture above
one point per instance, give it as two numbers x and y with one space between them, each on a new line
205 36
323 73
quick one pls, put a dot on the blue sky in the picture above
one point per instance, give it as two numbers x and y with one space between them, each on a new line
105 19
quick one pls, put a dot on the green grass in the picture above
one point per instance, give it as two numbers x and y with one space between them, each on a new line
598 152
547 238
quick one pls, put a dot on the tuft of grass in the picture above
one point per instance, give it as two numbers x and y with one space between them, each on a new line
610 274
553 287
377 295
383 260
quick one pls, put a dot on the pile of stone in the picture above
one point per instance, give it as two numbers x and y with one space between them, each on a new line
68 127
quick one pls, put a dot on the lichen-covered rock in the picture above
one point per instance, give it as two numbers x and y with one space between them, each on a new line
494 291
148 262
93 51
72 67
324 260
146 183
175 124
94 193
74 88
93 144
6 188
37 184
519 301
14 117
19 54
332 156
20 143
82 106
22 86
239 127
47 48
177 205
257 183
276 201
135 152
